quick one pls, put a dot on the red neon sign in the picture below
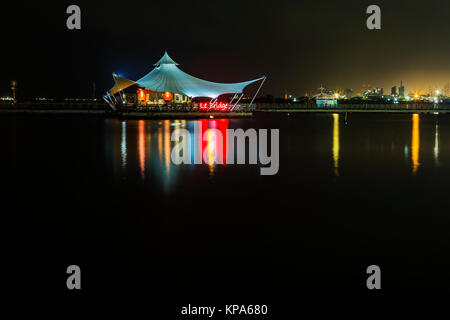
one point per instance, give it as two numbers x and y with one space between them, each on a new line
218 106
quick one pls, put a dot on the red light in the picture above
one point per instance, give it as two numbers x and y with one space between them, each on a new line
222 106
215 106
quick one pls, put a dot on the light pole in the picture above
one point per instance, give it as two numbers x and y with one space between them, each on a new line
13 87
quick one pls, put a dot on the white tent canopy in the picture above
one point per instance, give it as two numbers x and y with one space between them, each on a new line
167 77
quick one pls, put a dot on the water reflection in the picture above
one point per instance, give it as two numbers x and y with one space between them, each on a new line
160 142
148 144
436 144
152 157
141 147
167 147
415 143
214 151
123 145
335 148
210 147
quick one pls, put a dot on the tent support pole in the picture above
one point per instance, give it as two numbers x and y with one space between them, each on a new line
212 103
109 103
234 96
257 92
237 102
121 99
117 102
108 100
108 95
111 97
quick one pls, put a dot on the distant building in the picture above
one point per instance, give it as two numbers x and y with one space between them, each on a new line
348 93
394 91
374 94
401 90
324 99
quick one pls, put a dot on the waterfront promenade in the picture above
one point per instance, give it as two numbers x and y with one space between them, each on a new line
190 111
366 107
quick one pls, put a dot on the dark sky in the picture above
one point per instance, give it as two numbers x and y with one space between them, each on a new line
297 44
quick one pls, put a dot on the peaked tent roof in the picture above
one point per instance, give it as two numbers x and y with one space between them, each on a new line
167 77
120 84
165 60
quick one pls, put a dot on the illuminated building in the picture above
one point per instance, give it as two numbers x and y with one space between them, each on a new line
401 89
149 97
373 94
167 84
324 99
394 91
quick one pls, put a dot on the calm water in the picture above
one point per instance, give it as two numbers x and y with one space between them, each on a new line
369 189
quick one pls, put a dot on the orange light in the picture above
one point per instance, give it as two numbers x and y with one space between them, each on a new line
415 142
168 96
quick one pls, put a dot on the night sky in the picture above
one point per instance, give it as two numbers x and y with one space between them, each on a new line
298 45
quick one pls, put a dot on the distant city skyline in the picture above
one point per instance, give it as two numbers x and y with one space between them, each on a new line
435 89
